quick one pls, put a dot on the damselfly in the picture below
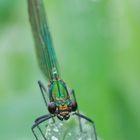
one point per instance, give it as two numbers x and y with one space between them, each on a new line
60 101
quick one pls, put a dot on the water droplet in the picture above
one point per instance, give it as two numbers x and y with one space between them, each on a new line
54 138
55 129
69 134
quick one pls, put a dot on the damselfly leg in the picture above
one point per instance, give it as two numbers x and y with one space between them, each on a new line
77 113
44 95
72 94
43 89
89 120
37 122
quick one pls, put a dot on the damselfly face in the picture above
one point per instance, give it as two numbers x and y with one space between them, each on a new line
60 102
63 109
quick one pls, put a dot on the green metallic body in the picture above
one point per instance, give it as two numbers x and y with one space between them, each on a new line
58 92
60 102
59 95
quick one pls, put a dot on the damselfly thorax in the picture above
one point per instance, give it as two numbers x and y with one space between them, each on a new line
60 103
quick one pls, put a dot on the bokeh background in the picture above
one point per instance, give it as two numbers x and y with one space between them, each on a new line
98 47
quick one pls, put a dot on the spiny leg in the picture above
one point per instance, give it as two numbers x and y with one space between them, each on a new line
41 132
39 121
43 89
35 133
40 118
89 120
74 97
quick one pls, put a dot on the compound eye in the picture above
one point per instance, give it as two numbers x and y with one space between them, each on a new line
52 107
74 106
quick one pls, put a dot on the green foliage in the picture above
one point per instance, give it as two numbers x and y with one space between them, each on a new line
97 44
7 10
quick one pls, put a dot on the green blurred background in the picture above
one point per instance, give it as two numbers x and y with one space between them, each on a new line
98 47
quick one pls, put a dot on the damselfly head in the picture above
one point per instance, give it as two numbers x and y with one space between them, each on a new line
63 112
61 104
